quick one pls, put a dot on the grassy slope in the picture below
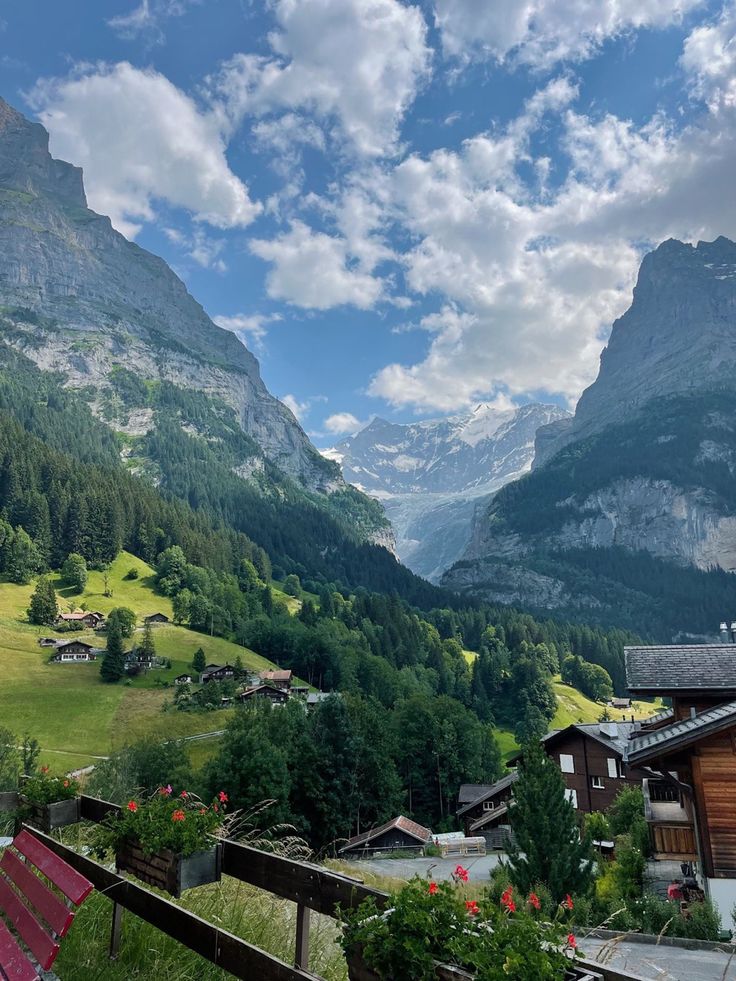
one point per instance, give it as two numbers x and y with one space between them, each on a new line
65 706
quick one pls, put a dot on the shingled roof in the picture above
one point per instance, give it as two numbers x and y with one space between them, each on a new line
423 835
669 739
682 668
491 791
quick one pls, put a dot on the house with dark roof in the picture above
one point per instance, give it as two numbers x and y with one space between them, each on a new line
277 678
217 672
154 618
74 652
486 814
399 834
259 693
690 758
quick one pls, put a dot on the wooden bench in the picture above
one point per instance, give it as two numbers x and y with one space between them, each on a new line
39 915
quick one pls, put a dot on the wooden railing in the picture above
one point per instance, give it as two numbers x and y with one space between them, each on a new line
310 887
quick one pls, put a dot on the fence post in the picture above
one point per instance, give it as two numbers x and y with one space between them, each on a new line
117 923
301 958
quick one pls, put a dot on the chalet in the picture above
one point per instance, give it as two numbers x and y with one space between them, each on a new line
183 679
279 679
314 698
217 672
486 814
400 834
81 618
689 755
47 641
276 696
620 703
155 618
74 652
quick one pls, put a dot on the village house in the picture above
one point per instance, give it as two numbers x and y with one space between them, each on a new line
48 641
276 696
92 620
217 672
278 678
689 755
74 652
400 834
183 679
486 813
155 618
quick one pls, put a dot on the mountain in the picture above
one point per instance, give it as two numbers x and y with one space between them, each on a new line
431 475
78 298
629 515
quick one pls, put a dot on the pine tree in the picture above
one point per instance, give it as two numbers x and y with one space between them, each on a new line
199 661
147 647
43 608
547 846
113 663
74 572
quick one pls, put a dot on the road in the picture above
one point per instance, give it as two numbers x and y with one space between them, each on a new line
478 866
663 963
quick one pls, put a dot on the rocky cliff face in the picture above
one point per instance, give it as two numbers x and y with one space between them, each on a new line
77 297
432 475
647 463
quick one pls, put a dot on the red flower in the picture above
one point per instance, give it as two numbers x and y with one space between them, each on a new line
567 902
472 907
66 783
215 808
461 873
534 900
203 810
184 794
432 888
178 816
571 941
44 769
223 797
132 806
507 901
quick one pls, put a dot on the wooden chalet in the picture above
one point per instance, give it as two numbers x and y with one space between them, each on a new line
276 696
217 672
486 814
92 620
183 679
48 641
400 834
74 652
277 679
690 757
155 618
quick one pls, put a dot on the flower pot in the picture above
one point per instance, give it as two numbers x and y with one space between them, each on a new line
57 814
169 871
358 970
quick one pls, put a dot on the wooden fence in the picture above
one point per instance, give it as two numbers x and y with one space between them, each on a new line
310 887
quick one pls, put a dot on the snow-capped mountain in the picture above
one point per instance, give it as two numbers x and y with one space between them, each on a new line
430 475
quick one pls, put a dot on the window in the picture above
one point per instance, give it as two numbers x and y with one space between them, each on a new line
613 770
663 792
572 796
488 805
567 763
596 783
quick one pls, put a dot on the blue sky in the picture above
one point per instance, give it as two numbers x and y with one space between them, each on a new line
402 208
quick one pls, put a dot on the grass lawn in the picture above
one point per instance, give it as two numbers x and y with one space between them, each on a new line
66 707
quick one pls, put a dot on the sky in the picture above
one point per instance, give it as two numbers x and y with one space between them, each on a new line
403 209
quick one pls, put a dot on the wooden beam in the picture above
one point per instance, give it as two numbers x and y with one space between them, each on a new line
219 947
9 801
301 882
301 957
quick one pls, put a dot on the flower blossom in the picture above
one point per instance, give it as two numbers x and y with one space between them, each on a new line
461 873
432 888
66 783
472 907
534 900
132 806
223 797
44 769
567 902
178 816
184 794
507 900
571 941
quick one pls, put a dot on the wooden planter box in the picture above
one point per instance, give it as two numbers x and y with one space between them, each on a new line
168 871
358 970
58 814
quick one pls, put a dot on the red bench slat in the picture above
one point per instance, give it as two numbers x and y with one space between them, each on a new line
13 962
43 947
74 885
58 916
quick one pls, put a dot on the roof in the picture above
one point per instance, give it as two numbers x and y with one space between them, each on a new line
262 689
401 823
490 817
276 675
314 697
81 615
471 791
78 643
180 676
669 739
613 735
681 667
152 615
491 791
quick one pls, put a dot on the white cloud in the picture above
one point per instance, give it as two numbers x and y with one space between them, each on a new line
529 279
140 139
248 326
147 17
709 57
356 64
342 423
313 270
301 409
542 32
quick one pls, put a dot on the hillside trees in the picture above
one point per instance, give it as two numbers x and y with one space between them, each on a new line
74 572
43 608
112 667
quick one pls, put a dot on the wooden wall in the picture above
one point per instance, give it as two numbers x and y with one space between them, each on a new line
714 776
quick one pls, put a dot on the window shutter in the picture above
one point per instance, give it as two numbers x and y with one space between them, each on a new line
612 768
